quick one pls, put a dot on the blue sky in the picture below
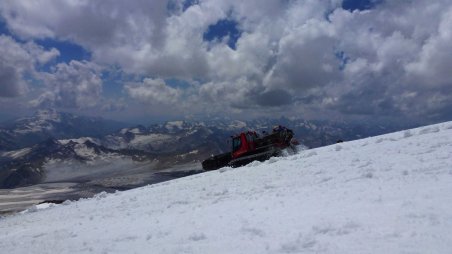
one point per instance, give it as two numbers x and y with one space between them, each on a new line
224 29
360 4
68 50
154 60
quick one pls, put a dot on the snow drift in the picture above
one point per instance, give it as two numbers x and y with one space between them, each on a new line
385 194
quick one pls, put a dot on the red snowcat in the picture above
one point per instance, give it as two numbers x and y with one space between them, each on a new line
248 147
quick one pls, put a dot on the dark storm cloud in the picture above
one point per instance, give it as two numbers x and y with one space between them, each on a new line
368 101
273 98
10 81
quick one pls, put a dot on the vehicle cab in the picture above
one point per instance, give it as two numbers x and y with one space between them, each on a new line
243 143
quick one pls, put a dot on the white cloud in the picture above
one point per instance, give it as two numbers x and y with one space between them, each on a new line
433 64
154 92
313 52
73 85
18 59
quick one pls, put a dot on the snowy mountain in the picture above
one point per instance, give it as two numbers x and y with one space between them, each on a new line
58 160
167 137
170 138
213 135
385 194
86 158
26 159
317 133
45 124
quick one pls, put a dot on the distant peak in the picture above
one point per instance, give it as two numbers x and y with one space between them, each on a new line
174 124
47 114
46 111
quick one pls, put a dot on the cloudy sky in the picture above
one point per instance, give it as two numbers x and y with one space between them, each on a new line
147 60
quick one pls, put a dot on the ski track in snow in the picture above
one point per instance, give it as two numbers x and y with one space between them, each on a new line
385 194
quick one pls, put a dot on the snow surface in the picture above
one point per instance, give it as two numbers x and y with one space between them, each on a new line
141 141
42 121
102 166
20 198
174 124
237 125
16 153
81 140
183 156
135 131
124 130
386 194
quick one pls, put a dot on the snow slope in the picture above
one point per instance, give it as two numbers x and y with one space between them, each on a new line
386 194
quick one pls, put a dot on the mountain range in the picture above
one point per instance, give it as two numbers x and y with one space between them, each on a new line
55 146
49 123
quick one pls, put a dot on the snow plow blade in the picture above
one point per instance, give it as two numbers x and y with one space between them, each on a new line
217 161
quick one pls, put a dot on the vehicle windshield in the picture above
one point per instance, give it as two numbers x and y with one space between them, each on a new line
236 143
